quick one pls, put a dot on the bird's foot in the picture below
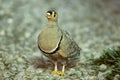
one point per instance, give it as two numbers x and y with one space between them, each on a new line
62 73
55 72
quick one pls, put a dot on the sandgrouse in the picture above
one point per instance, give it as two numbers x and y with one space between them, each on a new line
56 43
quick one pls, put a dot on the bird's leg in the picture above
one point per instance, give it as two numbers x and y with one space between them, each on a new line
55 69
63 70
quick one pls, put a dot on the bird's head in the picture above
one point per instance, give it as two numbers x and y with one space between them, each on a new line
51 15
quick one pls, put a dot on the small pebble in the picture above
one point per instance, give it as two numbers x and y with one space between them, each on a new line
102 67
92 78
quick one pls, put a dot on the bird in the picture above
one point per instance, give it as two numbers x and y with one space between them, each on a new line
56 43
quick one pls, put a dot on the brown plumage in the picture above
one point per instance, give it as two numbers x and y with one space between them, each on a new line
56 44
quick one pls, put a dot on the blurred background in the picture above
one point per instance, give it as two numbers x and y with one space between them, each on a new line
94 25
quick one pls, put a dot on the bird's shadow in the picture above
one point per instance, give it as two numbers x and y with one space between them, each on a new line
47 64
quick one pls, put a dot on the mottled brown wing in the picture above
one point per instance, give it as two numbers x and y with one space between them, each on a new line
73 48
68 46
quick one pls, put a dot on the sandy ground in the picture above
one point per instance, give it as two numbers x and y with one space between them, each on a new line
94 25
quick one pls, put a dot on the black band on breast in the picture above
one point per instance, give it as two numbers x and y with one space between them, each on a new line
55 49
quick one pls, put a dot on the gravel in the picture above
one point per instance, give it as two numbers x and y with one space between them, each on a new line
94 25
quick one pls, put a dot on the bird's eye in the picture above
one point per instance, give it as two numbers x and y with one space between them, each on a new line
54 15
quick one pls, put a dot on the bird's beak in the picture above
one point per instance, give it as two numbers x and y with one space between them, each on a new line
48 15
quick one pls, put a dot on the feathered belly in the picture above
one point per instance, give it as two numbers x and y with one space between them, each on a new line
49 40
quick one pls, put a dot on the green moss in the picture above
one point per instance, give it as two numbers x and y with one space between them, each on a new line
110 57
